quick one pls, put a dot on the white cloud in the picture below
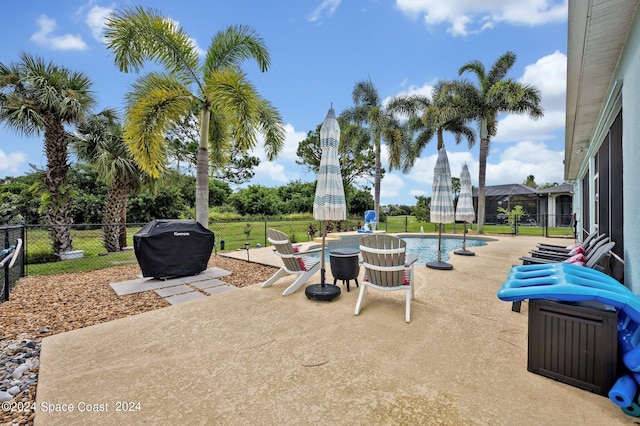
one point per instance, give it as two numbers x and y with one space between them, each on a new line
524 159
515 128
200 50
391 186
326 9
288 153
281 169
422 171
466 17
416 193
45 37
95 20
292 139
10 163
424 90
549 75
272 171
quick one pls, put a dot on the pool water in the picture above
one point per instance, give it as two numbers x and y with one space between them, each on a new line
425 247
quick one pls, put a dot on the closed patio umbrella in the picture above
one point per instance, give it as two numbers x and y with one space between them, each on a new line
329 202
464 209
441 203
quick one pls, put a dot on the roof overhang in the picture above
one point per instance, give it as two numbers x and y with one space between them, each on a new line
597 32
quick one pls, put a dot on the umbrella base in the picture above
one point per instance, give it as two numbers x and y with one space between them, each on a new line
322 292
440 265
464 252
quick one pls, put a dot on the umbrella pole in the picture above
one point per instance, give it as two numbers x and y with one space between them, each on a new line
440 243
322 291
439 264
322 269
463 251
464 236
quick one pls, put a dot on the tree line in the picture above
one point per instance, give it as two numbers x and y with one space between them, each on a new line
20 202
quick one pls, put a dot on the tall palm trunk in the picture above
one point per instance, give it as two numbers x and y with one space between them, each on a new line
56 183
482 175
123 221
440 132
376 181
202 170
115 203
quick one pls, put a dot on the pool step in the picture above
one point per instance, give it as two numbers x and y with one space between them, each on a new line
328 238
349 237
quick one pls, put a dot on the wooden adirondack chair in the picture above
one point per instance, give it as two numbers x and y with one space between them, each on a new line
297 263
388 267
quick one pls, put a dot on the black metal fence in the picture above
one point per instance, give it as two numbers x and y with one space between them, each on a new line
11 258
545 225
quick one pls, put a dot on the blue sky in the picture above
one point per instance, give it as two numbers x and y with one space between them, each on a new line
319 50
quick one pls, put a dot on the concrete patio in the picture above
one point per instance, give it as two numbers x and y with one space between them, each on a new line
251 356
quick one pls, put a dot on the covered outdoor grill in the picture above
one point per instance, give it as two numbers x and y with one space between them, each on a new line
173 248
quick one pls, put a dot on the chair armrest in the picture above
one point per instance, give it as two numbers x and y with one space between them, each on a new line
410 258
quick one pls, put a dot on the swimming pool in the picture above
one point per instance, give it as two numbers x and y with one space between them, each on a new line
426 247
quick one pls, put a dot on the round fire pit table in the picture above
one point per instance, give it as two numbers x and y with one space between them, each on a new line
345 265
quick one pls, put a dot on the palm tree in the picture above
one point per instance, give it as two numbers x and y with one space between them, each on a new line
99 141
232 111
381 124
494 95
430 117
35 98
530 181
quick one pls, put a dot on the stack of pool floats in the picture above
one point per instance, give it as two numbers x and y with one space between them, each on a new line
573 283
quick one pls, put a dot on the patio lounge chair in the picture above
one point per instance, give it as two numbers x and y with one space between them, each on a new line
594 251
298 263
567 249
593 241
388 267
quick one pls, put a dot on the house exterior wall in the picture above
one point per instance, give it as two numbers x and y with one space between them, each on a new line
624 95
629 72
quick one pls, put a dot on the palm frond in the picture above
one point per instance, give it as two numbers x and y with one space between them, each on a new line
156 101
270 125
138 34
220 139
232 46
31 89
232 95
365 93
476 67
500 68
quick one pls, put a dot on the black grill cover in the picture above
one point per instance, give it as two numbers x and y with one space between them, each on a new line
173 248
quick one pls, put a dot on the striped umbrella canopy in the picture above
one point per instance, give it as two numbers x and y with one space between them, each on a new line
441 203
464 210
442 197
329 202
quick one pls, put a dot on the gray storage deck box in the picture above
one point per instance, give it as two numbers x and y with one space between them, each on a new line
574 343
